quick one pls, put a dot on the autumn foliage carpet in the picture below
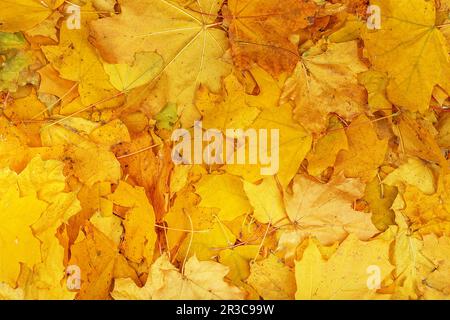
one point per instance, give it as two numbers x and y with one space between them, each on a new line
93 205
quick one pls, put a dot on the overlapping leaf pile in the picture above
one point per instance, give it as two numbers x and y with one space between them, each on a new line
88 187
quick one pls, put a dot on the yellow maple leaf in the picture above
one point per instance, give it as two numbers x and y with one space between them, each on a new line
76 148
344 275
413 173
47 28
326 212
429 213
294 144
47 281
375 83
325 150
238 260
52 83
45 180
99 261
272 279
266 200
140 236
228 110
36 11
76 60
28 108
408 47
225 192
144 68
411 266
260 32
110 134
421 264
196 47
13 146
199 280
194 230
326 82
366 151
110 225
18 243
438 251
417 140
207 235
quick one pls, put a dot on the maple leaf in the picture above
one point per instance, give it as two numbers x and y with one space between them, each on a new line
199 280
109 224
35 11
348 264
145 67
260 31
76 60
100 262
375 83
266 200
194 230
147 166
238 260
366 151
47 282
325 210
429 213
417 140
17 240
272 279
268 89
229 112
139 224
437 282
26 108
325 150
78 150
196 48
329 80
111 134
421 269
45 179
411 266
13 146
408 47
294 144
52 83
353 203
224 192
46 28
413 173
